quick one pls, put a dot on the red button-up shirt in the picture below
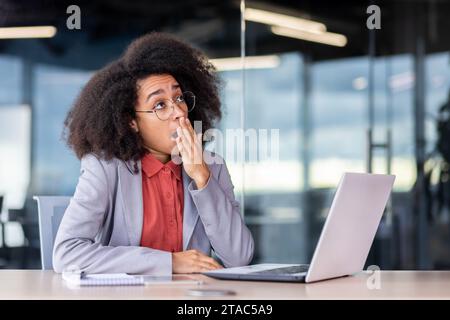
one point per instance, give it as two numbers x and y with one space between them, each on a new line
162 190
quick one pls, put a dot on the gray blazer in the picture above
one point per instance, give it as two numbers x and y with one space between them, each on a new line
101 228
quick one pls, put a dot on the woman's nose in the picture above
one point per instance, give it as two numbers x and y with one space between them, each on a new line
178 112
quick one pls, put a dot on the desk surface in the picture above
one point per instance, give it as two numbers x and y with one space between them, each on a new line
37 284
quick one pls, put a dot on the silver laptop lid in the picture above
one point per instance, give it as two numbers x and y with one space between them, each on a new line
351 225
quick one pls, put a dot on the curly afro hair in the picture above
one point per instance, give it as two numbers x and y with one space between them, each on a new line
99 120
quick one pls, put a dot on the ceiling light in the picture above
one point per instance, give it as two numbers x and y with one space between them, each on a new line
283 20
27 32
251 62
329 38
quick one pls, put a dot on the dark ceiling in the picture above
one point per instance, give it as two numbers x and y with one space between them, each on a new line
215 25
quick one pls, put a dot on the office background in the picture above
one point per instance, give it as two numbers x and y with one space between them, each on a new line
351 99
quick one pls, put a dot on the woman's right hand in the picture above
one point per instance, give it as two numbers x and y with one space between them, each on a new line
193 261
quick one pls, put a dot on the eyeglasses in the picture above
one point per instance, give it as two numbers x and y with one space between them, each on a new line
164 107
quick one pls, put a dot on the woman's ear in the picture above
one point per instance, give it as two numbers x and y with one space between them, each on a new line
133 124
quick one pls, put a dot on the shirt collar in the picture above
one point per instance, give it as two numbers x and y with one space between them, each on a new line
151 166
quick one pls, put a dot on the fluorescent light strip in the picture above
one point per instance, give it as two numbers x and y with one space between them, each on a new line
282 20
329 38
251 62
27 32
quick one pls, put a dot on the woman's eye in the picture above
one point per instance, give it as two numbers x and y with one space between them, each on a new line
159 106
179 99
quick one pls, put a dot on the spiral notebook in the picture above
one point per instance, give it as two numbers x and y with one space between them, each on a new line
113 279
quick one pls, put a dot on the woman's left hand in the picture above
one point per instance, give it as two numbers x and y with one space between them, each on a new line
189 144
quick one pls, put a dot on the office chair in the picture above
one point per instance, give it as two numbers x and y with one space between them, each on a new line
3 262
50 210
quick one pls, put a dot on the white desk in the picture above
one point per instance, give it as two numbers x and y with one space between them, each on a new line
37 284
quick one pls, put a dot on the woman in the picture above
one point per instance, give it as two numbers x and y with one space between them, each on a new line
136 210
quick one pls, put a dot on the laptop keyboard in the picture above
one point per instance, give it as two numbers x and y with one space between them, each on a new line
285 270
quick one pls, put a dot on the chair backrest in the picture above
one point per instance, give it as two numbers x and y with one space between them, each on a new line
51 210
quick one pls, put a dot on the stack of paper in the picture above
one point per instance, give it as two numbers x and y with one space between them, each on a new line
114 279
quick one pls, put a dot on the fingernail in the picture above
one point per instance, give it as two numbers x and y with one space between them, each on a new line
187 120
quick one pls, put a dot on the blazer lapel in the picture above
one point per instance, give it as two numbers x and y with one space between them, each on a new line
130 185
190 213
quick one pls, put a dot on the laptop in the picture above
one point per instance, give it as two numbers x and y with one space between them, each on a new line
345 240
